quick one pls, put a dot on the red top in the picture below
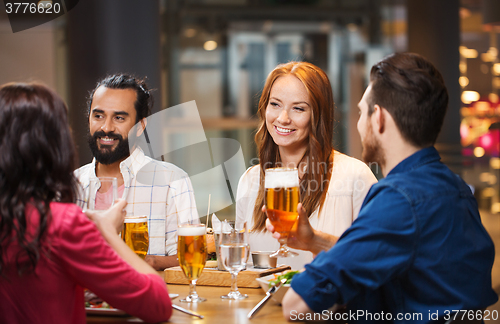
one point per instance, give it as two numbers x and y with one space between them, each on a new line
77 256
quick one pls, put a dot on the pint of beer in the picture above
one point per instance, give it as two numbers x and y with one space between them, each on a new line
192 249
282 197
135 234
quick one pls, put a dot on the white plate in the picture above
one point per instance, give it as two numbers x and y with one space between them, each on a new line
105 311
113 311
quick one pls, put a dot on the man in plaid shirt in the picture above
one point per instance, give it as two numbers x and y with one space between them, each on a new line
159 190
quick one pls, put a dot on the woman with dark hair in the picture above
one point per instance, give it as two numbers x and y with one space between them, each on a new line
296 112
49 249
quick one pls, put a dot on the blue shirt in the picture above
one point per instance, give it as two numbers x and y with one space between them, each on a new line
417 247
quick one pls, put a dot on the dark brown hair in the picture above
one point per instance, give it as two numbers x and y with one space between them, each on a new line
144 101
412 90
319 154
36 165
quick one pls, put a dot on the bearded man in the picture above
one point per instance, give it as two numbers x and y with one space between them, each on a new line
117 107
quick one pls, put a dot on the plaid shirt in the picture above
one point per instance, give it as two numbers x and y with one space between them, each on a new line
157 189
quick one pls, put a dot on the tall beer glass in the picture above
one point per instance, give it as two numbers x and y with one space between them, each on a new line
282 197
192 254
135 234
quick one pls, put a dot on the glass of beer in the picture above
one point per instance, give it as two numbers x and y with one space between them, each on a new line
282 197
233 251
135 234
192 254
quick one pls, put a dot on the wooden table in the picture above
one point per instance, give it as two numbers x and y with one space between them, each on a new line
215 309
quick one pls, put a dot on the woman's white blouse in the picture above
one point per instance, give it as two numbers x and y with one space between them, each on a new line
350 182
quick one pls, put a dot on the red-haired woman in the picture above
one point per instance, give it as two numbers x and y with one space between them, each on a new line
296 111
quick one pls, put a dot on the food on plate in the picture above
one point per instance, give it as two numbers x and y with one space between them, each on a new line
287 274
211 264
210 244
94 301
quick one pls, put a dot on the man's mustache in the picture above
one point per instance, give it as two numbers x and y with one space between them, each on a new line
104 134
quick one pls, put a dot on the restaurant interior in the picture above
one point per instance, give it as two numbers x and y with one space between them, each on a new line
219 52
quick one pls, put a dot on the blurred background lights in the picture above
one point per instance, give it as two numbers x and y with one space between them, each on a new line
491 179
493 51
190 32
464 81
487 57
467 52
495 163
488 192
484 176
210 45
470 96
352 27
482 107
495 208
496 68
463 67
479 152
486 141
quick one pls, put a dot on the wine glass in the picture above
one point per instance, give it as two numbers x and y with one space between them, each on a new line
282 198
234 250
192 254
102 193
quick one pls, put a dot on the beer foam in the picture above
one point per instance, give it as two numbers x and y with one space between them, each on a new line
135 219
282 178
191 230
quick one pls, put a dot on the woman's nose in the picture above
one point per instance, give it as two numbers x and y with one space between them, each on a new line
283 117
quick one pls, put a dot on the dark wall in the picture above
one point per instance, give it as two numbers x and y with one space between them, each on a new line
107 37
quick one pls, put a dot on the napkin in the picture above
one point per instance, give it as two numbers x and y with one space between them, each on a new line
217 224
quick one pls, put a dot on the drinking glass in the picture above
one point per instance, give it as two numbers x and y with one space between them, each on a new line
192 254
102 193
234 250
282 197
135 234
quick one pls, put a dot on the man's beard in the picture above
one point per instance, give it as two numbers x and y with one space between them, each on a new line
107 155
372 150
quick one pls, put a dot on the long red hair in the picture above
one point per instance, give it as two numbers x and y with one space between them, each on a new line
319 154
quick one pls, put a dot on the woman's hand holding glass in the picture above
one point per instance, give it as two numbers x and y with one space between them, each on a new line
303 236
111 219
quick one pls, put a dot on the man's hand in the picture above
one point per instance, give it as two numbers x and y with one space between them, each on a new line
111 219
160 263
303 236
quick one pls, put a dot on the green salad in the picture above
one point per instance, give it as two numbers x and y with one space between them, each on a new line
288 275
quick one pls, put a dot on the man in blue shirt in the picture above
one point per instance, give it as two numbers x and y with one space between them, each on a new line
417 251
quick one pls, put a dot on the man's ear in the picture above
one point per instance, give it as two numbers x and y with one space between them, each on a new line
141 127
378 119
